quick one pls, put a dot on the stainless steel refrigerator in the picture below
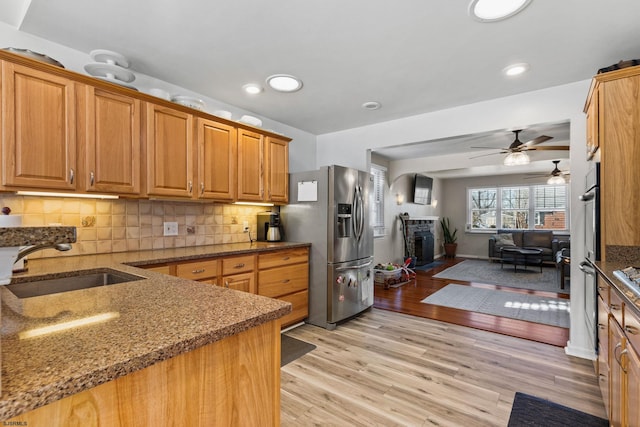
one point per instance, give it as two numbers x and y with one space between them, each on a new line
330 208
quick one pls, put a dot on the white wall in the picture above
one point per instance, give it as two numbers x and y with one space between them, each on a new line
302 149
556 104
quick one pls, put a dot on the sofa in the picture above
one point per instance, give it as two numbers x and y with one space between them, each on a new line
528 239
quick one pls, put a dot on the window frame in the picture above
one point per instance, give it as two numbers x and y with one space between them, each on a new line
378 189
532 209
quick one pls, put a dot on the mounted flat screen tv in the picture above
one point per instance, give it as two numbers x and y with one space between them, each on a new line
422 186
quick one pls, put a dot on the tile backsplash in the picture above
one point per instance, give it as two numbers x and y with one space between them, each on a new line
105 226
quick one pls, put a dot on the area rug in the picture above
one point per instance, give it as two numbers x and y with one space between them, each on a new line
292 348
429 266
481 271
532 411
515 305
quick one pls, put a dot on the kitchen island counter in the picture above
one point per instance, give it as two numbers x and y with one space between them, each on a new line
118 329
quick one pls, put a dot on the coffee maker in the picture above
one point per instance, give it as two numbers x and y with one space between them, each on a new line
269 227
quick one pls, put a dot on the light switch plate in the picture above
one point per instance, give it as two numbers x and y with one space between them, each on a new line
170 228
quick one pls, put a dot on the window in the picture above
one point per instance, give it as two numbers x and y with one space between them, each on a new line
377 199
542 207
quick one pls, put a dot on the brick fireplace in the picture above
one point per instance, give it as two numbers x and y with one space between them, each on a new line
420 237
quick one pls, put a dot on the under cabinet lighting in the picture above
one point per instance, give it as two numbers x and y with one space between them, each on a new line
76 195
253 204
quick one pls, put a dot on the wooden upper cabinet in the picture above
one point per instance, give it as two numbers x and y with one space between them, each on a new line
250 166
38 129
217 152
591 110
277 174
110 141
619 129
170 152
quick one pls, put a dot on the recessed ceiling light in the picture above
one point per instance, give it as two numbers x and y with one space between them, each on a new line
371 105
516 69
252 88
495 10
284 83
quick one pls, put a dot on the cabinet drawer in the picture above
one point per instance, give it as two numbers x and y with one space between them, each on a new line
603 290
299 309
237 264
198 270
280 258
164 269
283 280
616 307
632 328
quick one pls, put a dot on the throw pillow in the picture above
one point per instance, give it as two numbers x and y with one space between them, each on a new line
504 239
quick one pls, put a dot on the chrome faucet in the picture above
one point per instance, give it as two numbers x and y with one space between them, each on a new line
62 247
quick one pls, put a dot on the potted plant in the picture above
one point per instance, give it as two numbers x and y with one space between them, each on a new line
450 238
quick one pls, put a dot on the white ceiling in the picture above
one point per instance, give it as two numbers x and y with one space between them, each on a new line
413 56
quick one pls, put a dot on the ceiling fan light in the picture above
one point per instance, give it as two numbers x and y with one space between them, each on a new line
556 180
516 158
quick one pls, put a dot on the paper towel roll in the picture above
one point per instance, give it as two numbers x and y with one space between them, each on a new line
10 220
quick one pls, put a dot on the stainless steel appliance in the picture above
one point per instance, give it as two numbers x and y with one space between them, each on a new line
591 199
330 208
269 227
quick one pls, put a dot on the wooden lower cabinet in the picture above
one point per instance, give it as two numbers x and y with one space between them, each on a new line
618 361
235 381
285 275
245 282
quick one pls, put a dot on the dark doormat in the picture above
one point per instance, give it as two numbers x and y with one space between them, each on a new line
533 411
292 348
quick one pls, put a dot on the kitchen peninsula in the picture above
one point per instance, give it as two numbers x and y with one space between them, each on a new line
164 351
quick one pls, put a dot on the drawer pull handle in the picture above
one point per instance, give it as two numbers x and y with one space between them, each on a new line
601 326
602 288
198 271
285 258
631 330
239 265
226 283
614 307
286 281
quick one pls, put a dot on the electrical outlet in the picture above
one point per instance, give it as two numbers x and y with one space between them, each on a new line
245 226
170 228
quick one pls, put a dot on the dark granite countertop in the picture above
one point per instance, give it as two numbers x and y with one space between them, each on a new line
141 322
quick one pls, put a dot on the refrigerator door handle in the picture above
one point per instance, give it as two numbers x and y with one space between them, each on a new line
354 267
356 213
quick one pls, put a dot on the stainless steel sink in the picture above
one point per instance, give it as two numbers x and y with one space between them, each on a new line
79 280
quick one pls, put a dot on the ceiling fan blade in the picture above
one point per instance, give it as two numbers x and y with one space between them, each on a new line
490 148
484 155
551 147
538 140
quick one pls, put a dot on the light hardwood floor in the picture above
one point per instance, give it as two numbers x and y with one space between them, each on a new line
386 368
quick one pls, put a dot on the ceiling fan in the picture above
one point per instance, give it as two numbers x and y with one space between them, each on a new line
556 176
516 151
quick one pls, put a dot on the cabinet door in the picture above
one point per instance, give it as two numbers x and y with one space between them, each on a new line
169 152
277 175
619 128
38 129
245 282
617 378
603 351
217 152
250 164
633 388
593 141
110 141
